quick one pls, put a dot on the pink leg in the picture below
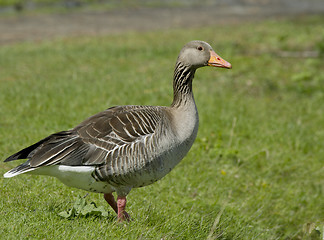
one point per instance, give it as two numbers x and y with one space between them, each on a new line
119 206
122 214
111 201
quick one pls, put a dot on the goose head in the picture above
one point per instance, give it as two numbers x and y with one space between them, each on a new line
196 54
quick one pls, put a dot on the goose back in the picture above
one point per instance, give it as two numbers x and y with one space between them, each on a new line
128 145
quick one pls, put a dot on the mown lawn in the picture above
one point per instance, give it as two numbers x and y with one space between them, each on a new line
256 170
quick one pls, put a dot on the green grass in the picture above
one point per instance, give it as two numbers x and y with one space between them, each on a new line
44 7
255 170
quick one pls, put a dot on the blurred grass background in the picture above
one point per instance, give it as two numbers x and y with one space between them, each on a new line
54 5
256 169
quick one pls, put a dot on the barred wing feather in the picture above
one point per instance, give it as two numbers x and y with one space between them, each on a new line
94 141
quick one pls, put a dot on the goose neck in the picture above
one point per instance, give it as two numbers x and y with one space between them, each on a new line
182 84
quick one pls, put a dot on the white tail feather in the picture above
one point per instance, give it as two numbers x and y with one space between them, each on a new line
13 173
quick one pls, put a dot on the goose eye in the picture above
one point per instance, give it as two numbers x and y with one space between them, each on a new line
200 48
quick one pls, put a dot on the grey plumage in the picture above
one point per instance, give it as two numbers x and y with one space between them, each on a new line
113 141
124 147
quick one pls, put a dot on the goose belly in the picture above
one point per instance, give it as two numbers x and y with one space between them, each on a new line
173 146
76 176
149 168
163 164
147 161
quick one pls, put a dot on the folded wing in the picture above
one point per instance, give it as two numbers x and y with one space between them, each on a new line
94 141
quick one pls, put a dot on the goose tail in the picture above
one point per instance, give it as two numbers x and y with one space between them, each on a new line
22 168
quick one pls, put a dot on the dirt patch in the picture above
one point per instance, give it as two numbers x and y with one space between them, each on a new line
34 28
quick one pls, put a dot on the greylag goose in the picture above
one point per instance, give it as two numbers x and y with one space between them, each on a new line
124 147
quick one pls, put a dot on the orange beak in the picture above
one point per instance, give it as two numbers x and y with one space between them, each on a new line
217 61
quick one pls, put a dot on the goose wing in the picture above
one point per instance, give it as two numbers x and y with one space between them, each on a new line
92 141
